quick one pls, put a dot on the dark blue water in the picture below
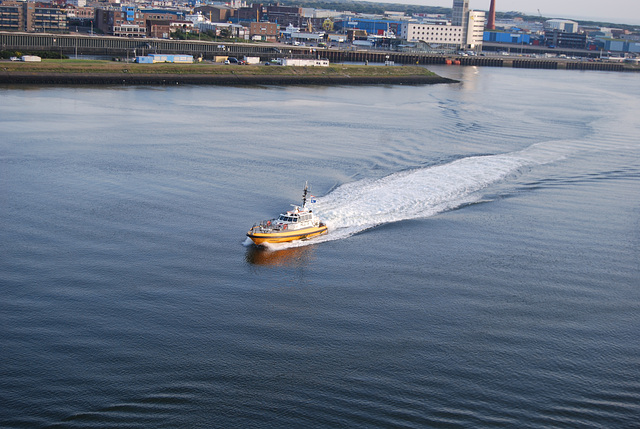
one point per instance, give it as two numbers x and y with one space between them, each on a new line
482 267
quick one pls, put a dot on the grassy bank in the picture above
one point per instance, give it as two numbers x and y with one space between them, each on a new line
106 67
70 72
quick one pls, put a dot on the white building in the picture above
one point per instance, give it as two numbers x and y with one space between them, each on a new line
438 34
562 25
475 30
303 62
308 12
197 17
464 31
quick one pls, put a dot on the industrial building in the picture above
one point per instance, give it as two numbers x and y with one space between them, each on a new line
561 39
283 15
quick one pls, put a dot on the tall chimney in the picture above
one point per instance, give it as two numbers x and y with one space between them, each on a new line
491 23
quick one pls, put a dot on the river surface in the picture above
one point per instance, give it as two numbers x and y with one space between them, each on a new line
482 267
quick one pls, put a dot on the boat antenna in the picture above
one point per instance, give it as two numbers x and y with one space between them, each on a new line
304 195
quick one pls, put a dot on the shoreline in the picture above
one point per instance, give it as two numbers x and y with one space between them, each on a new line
83 72
19 78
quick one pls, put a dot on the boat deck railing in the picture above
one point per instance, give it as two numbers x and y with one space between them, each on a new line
267 225
271 225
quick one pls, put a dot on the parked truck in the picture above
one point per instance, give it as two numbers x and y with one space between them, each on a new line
252 60
31 58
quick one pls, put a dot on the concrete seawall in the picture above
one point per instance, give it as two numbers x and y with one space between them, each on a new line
426 59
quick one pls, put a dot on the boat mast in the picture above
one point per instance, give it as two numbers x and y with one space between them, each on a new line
304 195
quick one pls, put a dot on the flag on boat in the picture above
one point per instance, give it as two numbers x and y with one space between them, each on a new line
313 199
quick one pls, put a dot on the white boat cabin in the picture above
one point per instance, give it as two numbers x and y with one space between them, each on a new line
296 218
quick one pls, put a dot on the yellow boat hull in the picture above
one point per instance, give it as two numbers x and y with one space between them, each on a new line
286 236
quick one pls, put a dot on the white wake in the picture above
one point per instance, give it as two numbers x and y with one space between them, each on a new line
419 193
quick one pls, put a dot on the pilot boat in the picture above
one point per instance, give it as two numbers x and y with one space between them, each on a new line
297 224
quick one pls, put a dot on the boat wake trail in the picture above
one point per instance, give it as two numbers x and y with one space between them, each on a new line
418 193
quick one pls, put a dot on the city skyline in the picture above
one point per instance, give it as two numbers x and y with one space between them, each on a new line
615 11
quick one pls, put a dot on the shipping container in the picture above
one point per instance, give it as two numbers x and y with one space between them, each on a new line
161 58
164 58
183 59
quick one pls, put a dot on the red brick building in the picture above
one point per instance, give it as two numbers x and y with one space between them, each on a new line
159 29
216 13
265 31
